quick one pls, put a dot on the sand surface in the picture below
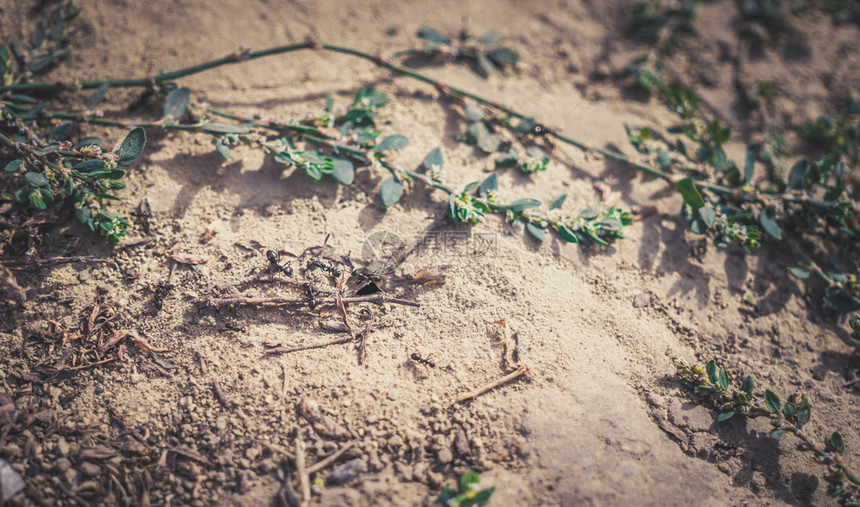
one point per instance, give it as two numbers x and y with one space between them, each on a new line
599 420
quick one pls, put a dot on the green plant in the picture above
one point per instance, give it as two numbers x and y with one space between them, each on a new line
484 54
468 492
790 418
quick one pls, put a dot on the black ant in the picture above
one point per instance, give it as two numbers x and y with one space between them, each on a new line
428 361
333 270
274 259
366 277
309 293
160 292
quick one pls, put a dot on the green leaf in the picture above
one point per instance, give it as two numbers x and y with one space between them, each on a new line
13 166
434 158
489 185
842 304
329 102
690 193
314 171
88 141
725 416
567 235
131 147
748 385
97 96
471 186
749 165
724 379
60 132
392 143
485 66
797 175
711 369
709 216
800 273
467 479
89 166
772 401
36 179
432 36
557 201
343 171
504 57
803 416
835 443
523 204
479 135
776 434
222 148
484 496
36 200
391 191
447 495
474 112
39 63
769 224
538 233
177 102
19 97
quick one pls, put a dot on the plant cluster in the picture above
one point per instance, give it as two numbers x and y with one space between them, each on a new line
789 417
468 492
485 54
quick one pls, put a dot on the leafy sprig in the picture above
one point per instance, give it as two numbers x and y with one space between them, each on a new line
48 43
468 492
55 170
789 417
485 54
595 225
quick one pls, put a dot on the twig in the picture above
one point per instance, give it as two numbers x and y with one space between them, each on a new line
325 462
284 350
301 470
284 388
481 390
219 393
276 448
38 264
279 301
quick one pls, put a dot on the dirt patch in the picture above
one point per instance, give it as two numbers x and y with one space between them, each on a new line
184 405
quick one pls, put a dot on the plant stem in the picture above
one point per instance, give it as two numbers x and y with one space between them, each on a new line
379 61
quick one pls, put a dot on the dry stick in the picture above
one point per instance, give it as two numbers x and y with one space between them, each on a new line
219 393
481 390
325 462
284 350
284 388
44 263
276 448
301 470
279 301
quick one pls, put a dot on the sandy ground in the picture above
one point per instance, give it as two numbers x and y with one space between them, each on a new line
600 421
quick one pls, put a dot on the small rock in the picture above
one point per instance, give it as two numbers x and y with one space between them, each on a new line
63 446
348 471
461 444
435 479
10 482
393 394
89 469
642 300
252 453
445 456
